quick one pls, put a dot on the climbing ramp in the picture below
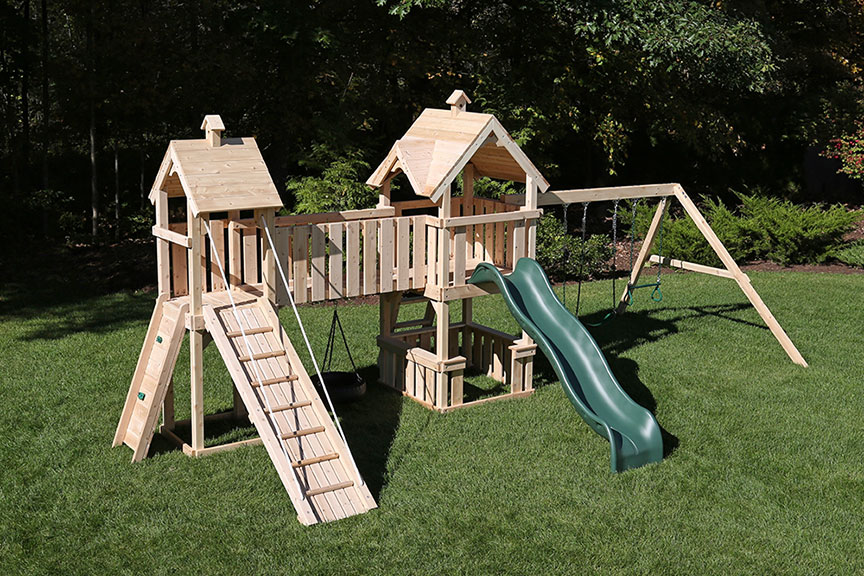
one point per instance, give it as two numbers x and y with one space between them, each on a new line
312 460
152 377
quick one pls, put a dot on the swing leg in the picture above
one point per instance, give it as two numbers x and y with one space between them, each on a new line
643 255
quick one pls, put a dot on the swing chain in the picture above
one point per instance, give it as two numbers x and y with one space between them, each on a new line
565 254
581 257
657 294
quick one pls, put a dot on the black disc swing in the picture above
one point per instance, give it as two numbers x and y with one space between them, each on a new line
342 386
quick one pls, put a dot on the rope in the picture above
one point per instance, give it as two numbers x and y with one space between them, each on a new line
257 369
309 347
331 342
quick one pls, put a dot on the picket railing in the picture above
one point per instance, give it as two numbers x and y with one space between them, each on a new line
363 252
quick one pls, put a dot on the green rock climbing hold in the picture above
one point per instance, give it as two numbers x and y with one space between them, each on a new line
158 339
140 395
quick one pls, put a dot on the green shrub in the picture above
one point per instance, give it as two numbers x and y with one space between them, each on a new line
761 228
852 254
559 252
341 185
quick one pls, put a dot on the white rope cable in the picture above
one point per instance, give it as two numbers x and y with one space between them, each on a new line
309 348
257 369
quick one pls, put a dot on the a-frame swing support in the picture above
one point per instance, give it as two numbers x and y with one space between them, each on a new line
664 192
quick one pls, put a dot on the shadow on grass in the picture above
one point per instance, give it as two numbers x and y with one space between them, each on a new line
369 423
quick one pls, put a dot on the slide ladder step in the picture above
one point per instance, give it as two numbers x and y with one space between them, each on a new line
315 460
303 432
288 406
331 488
277 380
249 332
262 356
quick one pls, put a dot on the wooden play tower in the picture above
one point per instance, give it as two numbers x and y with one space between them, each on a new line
218 244
426 358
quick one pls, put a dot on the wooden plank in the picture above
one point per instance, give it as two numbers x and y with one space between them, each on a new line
217 231
171 236
419 259
443 261
387 260
300 251
643 254
557 197
234 271
268 259
282 238
370 256
352 260
328 217
250 256
403 252
319 273
179 276
481 218
459 251
431 257
518 241
741 278
334 274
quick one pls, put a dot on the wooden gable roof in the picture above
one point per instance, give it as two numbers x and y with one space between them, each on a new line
228 176
439 144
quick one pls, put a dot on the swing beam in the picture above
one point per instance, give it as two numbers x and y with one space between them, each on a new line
664 192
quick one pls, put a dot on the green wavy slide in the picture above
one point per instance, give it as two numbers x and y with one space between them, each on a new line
633 433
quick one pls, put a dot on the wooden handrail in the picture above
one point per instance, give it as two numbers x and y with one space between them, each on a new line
491 218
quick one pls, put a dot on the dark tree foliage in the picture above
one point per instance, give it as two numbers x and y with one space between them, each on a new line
712 94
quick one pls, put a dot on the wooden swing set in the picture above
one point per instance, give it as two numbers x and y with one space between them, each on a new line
665 192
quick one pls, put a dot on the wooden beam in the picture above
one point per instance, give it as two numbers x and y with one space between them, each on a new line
741 278
196 340
556 197
684 265
491 218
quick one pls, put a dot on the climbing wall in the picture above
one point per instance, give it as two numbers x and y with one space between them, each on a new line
152 377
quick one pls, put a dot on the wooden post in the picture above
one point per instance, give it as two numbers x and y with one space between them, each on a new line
643 254
196 341
384 195
163 263
442 350
741 278
531 204
467 201
268 273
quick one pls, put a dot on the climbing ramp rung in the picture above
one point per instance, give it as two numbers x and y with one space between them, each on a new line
277 380
303 432
309 461
249 332
288 406
330 488
262 355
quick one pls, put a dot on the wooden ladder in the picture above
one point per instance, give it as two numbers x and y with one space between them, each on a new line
291 419
152 377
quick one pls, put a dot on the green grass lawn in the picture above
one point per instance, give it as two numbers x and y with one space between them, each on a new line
765 471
